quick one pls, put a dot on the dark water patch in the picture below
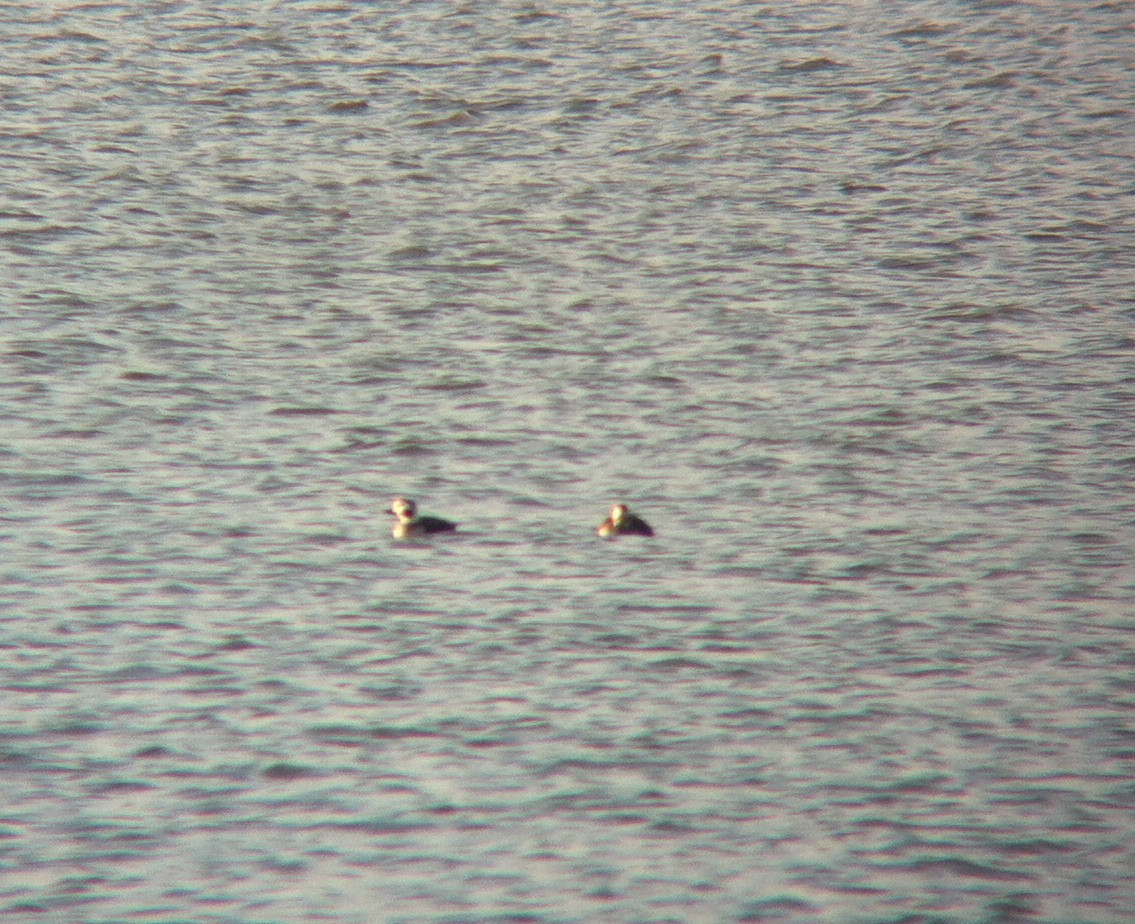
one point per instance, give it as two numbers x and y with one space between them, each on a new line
1032 847
234 642
141 376
661 610
674 665
922 668
45 231
619 641
810 66
491 442
375 826
409 446
776 908
927 29
154 752
325 540
141 672
303 411
115 787
1033 795
928 782
77 728
285 771
352 734
28 907
962 868
45 687
362 441
457 384
411 252
674 827
1000 81
45 478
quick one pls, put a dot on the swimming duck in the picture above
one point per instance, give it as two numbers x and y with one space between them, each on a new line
410 525
622 522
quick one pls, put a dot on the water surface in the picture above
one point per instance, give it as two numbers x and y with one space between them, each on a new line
839 298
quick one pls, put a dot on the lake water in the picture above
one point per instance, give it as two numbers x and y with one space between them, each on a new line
839 296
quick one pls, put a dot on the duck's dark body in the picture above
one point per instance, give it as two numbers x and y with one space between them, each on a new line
622 522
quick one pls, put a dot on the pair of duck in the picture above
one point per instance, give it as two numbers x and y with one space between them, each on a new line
410 525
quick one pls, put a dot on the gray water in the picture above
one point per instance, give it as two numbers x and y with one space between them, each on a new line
840 297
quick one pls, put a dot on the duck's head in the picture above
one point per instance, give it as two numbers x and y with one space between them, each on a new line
404 509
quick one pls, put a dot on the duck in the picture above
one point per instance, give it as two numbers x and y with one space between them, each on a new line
411 526
622 522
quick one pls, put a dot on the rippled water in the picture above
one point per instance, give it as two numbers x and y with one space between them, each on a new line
839 296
